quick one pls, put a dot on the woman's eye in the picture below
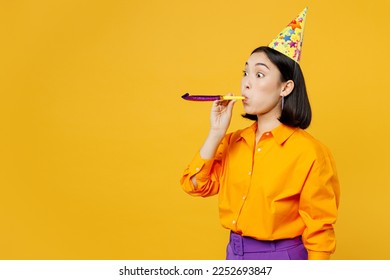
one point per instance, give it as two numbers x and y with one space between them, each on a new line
244 73
260 75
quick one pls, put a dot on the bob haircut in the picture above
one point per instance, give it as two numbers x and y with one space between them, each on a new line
296 111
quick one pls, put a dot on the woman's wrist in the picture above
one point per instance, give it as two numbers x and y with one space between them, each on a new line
211 144
216 135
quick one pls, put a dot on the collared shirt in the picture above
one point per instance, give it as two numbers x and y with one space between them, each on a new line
282 187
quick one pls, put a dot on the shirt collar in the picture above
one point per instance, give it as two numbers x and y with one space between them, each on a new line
281 133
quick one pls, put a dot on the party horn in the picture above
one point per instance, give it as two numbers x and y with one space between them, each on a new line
189 97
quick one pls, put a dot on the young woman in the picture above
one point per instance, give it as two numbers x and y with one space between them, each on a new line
277 185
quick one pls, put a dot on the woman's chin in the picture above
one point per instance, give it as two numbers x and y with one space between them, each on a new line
250 112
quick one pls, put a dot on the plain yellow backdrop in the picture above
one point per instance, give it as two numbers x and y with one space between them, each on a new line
95 136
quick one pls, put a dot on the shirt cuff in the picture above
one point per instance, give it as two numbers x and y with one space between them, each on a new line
201 167
313 255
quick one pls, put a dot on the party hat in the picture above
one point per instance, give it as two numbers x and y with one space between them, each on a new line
289 41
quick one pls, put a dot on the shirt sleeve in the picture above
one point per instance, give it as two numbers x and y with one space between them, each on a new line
319 206
207 172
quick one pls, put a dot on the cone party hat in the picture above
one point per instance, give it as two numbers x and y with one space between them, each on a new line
289 40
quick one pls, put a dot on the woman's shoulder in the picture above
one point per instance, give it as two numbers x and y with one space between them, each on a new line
310 144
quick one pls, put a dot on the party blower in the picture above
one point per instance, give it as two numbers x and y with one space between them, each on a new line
189 97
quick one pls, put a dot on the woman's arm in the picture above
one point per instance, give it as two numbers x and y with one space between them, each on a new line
319 206
220 116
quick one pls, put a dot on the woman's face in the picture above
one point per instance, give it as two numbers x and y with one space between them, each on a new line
261 86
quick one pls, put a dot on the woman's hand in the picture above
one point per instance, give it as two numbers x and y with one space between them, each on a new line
220 116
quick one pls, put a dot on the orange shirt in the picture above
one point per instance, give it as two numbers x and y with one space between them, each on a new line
283 187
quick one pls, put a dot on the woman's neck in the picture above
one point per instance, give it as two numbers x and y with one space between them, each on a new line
265 124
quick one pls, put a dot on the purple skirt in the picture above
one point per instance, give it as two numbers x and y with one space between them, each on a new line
247 248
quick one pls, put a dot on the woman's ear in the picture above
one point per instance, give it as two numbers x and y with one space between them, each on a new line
287 88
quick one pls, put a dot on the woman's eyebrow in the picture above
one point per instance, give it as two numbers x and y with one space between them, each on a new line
262 64
259 64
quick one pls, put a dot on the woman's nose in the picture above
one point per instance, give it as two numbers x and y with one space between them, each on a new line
246 83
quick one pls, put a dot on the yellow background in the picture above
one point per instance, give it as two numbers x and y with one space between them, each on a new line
95 136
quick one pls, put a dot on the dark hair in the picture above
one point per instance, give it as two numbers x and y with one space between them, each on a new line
296 111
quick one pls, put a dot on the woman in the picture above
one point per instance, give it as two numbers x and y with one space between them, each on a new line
277 185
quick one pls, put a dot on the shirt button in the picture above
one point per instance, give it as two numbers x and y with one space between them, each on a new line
197 169
249 173
258 149
267 134
234 222
244 197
